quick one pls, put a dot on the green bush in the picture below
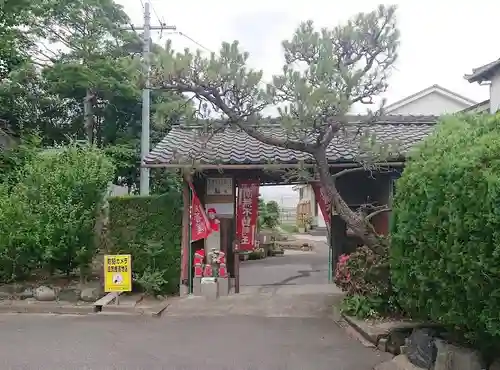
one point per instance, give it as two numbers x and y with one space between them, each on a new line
47 219
269 214
445 251
149 228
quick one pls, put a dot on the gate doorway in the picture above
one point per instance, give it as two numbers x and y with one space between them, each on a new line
231 158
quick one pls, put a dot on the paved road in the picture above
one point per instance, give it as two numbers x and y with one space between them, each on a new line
283 325
175 343
294 268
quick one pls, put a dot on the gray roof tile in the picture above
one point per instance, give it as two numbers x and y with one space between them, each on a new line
483 73
183 144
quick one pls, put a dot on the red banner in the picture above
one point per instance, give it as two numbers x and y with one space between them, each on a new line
247 213
200 224
323 201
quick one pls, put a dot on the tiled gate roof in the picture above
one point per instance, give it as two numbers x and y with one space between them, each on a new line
183 144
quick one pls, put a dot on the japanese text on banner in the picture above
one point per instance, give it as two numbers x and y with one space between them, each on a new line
247 213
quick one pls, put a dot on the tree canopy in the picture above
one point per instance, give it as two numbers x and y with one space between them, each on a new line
325 73
64 64
71 70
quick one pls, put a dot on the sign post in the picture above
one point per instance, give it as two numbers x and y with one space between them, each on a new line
117 274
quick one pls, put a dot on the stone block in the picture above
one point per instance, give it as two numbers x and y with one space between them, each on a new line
91 294
395 341
44 293
223 286
451 357
209 288
422 350
197 286
382 344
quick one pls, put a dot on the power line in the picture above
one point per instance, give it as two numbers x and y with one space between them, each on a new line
160 21
196 42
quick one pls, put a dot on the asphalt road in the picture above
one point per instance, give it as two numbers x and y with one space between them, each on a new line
281 320
174 343
293 268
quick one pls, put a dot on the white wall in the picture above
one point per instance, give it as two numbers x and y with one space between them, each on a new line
432 104
495 93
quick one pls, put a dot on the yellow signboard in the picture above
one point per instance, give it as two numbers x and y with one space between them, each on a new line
118 273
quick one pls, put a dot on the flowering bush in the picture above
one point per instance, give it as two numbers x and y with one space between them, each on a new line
342 273
363 272
365 277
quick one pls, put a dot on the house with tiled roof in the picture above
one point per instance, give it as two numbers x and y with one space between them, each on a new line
231 152
488 74
232 147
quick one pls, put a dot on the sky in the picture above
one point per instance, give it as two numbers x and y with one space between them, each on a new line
440 40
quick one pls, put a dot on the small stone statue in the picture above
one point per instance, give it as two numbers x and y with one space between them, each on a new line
217 259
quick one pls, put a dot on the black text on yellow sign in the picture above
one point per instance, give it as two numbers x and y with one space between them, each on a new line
118 273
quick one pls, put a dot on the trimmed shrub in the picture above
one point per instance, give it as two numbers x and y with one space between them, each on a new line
149 228
445 251
47 219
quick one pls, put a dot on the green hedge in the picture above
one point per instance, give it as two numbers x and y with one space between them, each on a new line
149 228
48 210
445 251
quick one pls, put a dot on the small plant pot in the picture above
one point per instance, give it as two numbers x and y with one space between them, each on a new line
302 229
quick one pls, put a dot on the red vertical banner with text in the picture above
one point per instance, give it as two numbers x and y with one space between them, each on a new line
247 213
200 224
323 201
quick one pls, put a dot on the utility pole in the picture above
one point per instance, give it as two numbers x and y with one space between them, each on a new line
146 64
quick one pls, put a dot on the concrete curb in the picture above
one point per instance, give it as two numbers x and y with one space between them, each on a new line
386 335
104 306
370 337
339 318
49 308
69 309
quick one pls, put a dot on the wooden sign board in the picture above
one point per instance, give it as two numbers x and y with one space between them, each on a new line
220 186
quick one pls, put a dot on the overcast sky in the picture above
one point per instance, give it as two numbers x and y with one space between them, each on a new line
440 40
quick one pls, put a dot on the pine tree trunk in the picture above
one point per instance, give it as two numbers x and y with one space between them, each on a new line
354 221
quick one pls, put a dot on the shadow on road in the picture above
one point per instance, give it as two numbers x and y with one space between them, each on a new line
294 267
